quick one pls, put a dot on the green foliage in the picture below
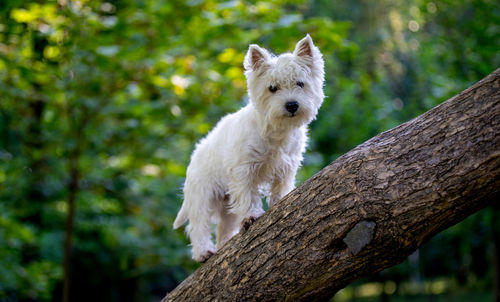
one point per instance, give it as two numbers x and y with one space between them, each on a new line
125 89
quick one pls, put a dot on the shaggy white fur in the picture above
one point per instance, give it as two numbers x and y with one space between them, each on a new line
256 150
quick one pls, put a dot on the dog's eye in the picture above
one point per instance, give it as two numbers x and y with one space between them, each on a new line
300 84
273 88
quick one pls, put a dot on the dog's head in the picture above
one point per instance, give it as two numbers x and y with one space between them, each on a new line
286 90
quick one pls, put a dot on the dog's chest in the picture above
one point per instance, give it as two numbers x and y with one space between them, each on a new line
270 162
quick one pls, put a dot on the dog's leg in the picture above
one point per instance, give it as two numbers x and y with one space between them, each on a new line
247 206
281 187
200 236
228 224
245 201
199 197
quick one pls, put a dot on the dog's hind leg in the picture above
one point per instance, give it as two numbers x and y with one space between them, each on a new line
200 222
200 235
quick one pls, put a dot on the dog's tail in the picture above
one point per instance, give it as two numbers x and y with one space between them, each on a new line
181 218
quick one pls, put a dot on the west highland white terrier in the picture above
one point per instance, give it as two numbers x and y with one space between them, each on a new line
255 151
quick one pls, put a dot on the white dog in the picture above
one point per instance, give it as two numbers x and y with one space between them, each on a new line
255 150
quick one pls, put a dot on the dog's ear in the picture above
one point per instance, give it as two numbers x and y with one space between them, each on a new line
304 47
307 52
255 57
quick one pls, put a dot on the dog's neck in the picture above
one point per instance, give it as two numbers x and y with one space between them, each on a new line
272 134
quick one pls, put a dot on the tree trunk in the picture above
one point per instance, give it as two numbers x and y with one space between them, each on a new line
78 123
70 222
366 211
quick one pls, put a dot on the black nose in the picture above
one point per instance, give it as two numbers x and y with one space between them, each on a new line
292 106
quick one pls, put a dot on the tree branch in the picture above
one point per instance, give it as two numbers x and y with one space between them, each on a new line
366 211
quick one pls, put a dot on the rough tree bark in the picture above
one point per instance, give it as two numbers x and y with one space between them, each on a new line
366 211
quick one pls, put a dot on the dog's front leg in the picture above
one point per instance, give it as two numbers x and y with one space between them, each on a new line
245 199
281 187
247 205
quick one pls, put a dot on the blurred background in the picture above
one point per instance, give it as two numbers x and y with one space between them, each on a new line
101 103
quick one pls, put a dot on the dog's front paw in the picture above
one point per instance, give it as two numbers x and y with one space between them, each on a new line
203 257
247 222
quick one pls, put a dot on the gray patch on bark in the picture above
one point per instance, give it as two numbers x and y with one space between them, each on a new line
360 236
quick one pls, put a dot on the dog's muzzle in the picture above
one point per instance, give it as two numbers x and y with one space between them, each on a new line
292 106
